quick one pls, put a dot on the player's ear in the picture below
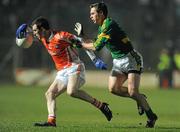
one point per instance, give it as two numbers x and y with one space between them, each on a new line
42 29
101 13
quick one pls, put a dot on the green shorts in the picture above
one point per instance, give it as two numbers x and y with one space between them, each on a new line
130 63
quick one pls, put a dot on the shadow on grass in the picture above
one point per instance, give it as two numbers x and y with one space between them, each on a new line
139 127
168 128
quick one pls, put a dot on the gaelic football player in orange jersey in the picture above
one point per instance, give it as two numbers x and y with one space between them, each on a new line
70 69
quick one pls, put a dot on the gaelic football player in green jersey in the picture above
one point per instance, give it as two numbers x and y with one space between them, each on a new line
127 62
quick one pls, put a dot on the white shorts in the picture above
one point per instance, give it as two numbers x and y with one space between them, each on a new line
64 74
130 63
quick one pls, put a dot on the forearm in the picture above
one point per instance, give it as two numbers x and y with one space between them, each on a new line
88 45
85 42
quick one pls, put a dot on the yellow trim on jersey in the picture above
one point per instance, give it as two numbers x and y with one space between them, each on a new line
103 35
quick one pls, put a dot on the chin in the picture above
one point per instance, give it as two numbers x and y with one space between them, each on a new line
38 37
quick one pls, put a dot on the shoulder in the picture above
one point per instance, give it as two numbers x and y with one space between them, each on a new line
108 24
61 34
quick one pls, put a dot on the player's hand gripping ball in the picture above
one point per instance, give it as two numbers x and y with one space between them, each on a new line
24 38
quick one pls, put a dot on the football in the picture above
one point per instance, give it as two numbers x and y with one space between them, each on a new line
25 42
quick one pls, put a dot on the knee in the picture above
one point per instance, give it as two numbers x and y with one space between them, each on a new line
133 94
112 89
49 95
71 93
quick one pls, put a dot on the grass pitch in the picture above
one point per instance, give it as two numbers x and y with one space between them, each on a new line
21 106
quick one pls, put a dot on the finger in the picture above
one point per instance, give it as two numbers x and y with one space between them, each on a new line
79 24
76 26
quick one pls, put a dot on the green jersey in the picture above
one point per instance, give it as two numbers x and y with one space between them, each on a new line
114 38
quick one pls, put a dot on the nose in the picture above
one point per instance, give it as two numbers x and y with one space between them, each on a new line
35 32
91 17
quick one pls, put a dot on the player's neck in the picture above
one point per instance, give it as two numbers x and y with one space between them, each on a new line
50 35
102 21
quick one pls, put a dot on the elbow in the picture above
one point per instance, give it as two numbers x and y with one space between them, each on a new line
94 49
88 46
97 49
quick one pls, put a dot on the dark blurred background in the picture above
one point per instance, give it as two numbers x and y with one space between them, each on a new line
151 24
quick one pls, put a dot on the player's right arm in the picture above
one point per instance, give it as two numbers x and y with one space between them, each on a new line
21 31
23 37
86 43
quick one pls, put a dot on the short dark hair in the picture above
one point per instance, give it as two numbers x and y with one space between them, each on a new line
41 22
100 7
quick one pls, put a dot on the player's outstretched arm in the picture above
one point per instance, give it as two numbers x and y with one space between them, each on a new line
21 31
97 61
24 39
86 43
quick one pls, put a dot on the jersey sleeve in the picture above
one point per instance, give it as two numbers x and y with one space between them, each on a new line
103 37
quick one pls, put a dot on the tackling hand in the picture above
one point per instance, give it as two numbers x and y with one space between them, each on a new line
100 64
79 29
21 31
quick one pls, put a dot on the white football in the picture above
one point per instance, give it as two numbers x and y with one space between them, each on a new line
25 42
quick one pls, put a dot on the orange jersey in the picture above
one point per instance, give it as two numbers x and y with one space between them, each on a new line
60 48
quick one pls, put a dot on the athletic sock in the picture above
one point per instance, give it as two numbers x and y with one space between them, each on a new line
149 113
52 119
97 103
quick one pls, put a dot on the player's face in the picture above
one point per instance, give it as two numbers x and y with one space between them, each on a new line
95 16
36 31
